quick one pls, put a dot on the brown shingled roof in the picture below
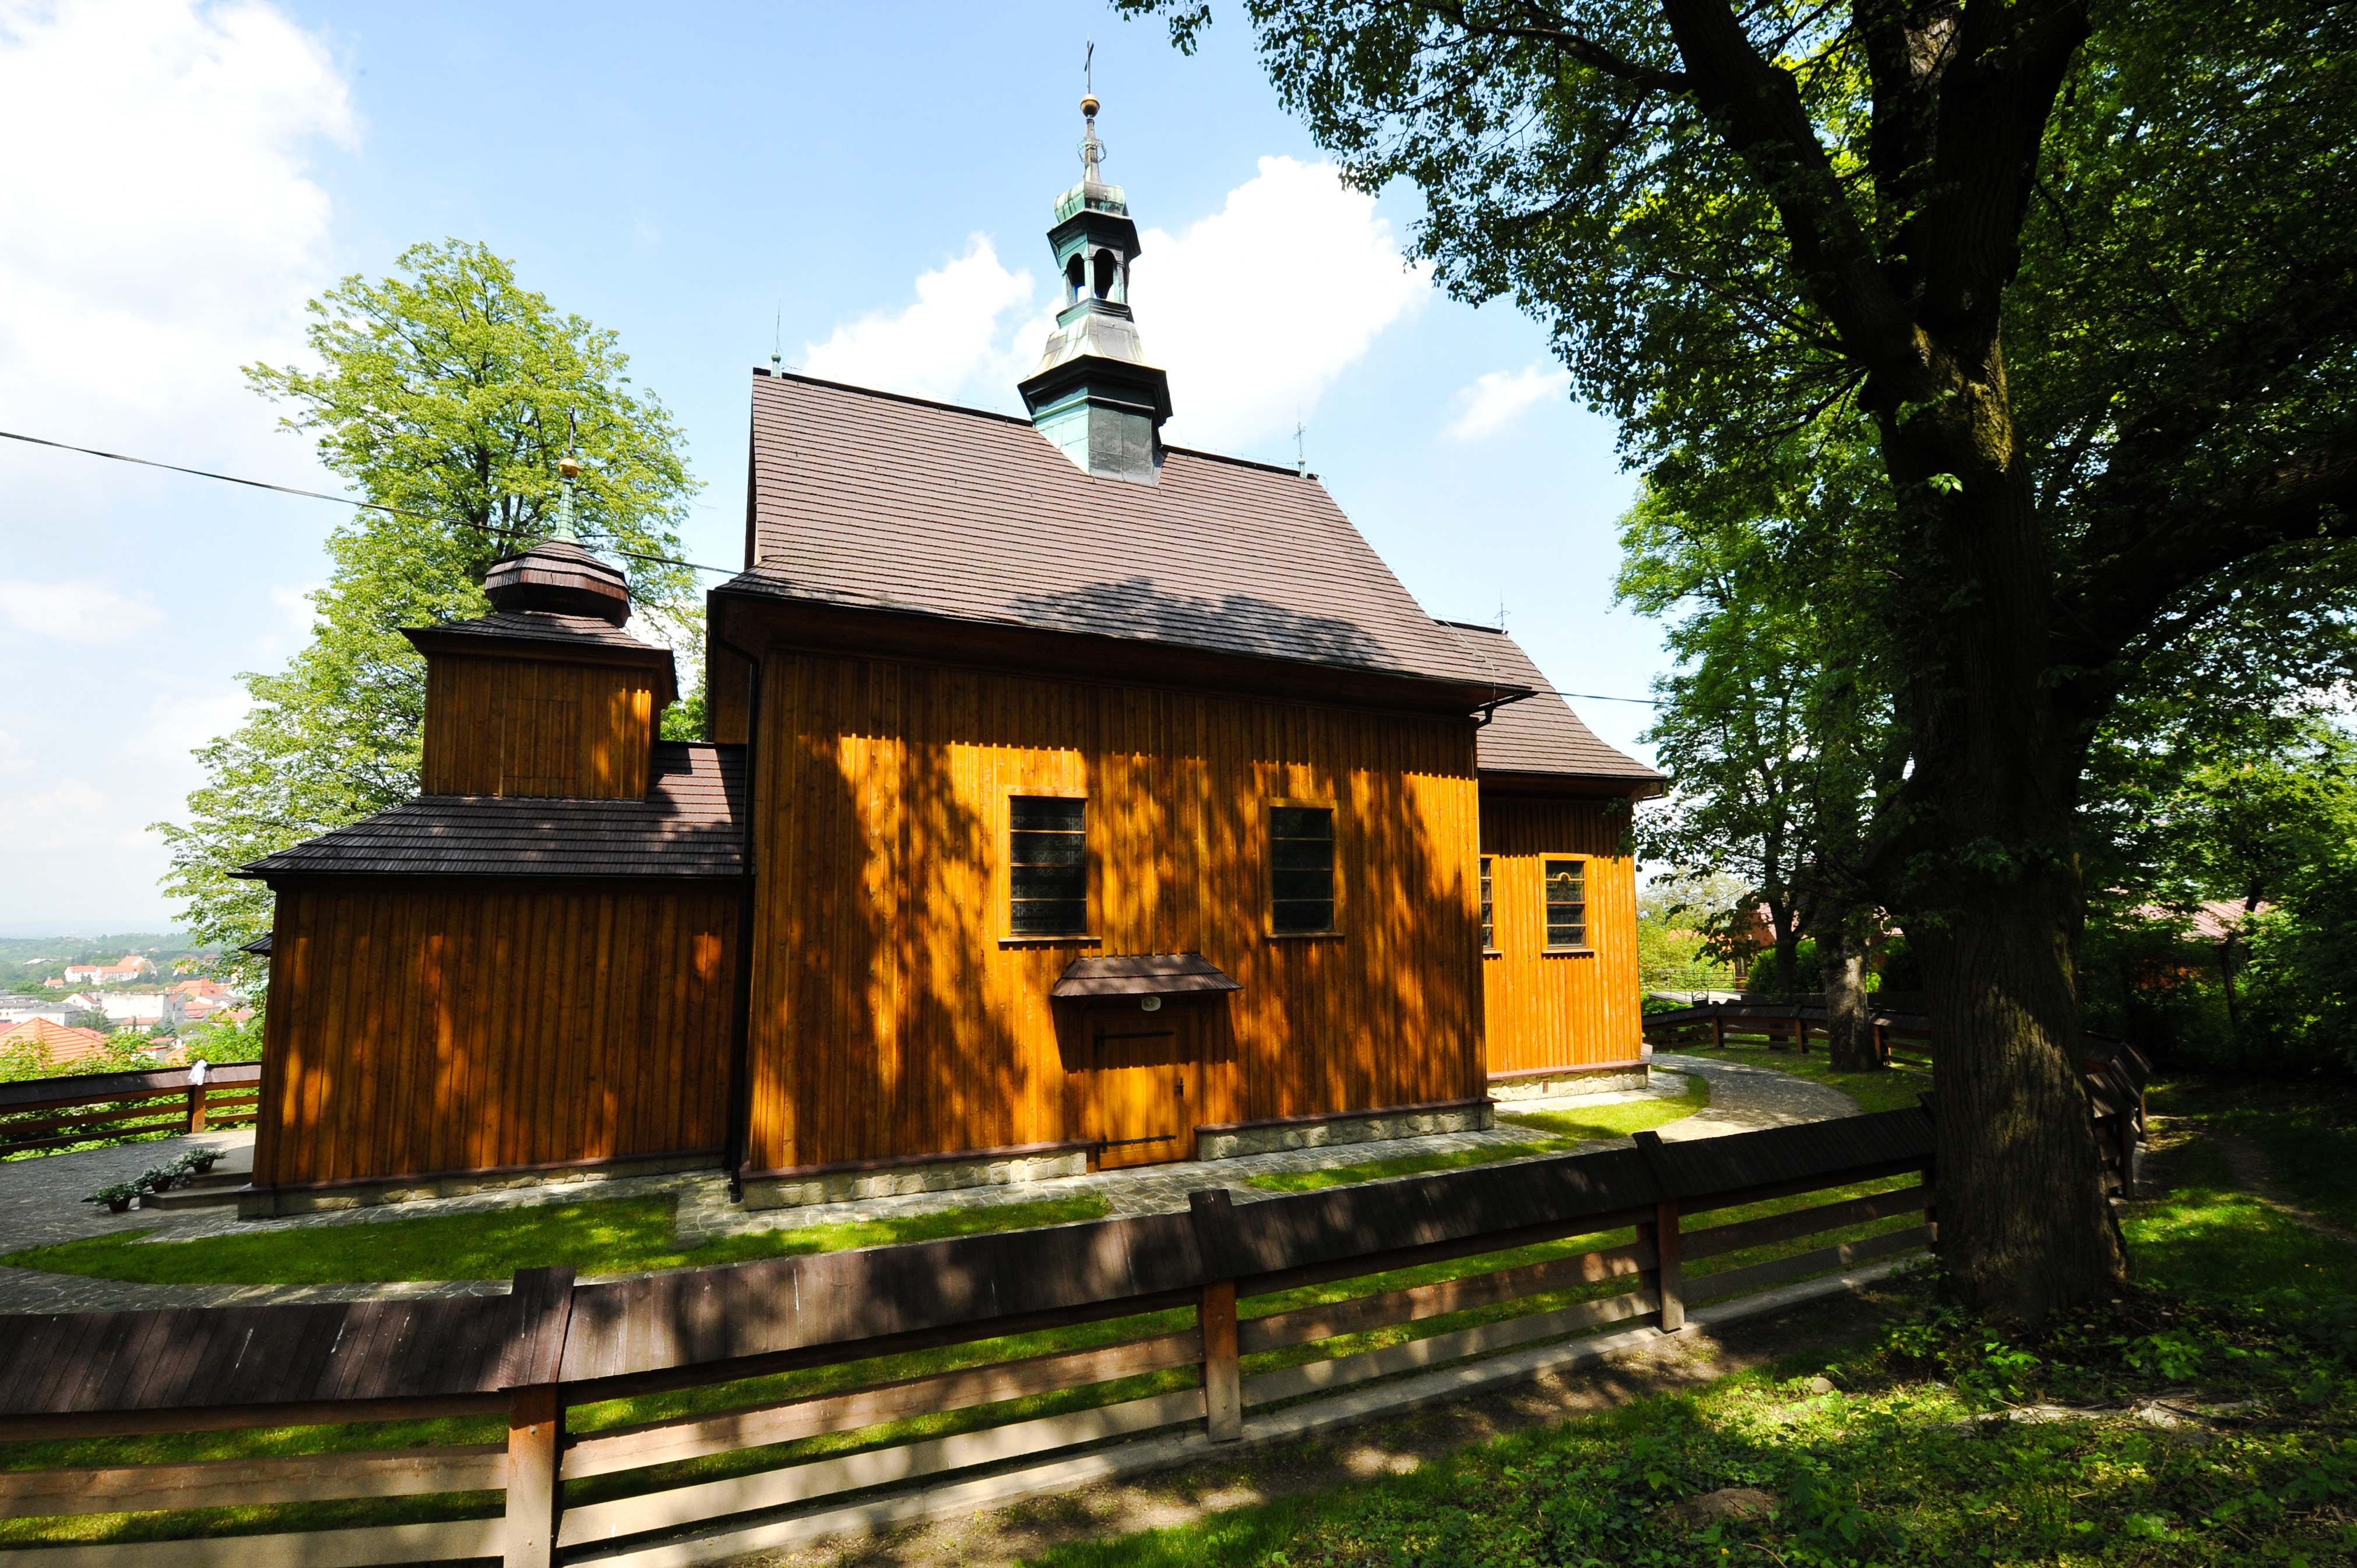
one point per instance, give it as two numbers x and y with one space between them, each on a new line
870 500
580 637
690 825
1541 734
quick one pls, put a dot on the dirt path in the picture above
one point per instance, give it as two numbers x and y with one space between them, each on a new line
1006 1537
2254 1176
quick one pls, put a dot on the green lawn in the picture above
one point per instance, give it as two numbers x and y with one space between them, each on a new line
1590 1123
1566 1129
1892 1089
1892 1467
2307 1132
628 1235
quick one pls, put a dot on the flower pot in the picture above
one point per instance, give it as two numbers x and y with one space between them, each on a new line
118 1205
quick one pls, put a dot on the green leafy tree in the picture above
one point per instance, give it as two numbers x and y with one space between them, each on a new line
446 394
2084 274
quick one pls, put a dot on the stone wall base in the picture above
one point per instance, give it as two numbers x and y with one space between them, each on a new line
1327 1132
271 1202
1569 1082
899 1181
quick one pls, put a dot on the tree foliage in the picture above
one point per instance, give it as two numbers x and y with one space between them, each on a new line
2081 275
446 394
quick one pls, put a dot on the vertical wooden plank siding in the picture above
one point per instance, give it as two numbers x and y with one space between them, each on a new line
516 726
471 1025
1545 1009
894 1015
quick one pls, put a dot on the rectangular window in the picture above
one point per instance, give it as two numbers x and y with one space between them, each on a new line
1048 847
1567 902
1301 868
1489 921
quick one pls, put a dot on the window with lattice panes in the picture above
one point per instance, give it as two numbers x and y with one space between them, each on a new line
1489 910
1301 868
1047 860
1566 892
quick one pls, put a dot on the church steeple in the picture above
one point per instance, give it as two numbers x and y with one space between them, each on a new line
1093 394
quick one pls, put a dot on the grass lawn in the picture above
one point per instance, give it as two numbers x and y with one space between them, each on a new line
2307 1132
1566 1129
1892 1089
1896 1464
626 1235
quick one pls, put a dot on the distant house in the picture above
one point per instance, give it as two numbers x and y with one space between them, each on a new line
17 1009
141 1008
62 1045
195 990
130 967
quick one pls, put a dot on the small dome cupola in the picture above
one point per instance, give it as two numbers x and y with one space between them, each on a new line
557 575
1093 394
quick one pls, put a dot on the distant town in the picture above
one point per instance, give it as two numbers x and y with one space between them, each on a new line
78 1004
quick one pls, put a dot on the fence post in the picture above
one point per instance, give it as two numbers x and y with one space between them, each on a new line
199 1071
541 1309
1718 1026
1215 1315
1668 1274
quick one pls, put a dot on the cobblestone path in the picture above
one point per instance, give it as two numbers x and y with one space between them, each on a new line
40 1199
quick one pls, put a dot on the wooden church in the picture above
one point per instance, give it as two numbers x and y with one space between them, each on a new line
1073 801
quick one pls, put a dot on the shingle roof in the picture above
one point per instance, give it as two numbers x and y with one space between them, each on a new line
1142 974
539 626
871 500
1540 735
690 825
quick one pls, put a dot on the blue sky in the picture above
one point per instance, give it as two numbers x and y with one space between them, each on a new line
868 187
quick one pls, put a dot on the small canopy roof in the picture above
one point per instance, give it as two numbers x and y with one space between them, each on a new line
1143 974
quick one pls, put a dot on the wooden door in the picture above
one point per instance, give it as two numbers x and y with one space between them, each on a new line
1142 1086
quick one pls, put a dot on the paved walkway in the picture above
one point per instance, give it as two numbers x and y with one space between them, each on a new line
40 1199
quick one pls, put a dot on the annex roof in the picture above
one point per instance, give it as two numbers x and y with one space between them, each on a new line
1541 734
871 500
690 825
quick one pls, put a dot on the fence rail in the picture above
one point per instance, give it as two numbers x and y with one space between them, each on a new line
1198 1329
53 1112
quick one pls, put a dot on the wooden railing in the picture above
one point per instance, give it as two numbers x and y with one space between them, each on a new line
1783 1027
1174 1329
53 1112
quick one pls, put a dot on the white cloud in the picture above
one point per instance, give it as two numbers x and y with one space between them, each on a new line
1498 399
177 725
158 227
949 341
1257 309
70 814
83 611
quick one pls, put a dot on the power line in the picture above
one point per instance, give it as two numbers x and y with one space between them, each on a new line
632 555
325 496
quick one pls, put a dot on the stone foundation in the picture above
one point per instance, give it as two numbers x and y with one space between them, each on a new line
900 1181
1327 1132
271 1202
1567 1082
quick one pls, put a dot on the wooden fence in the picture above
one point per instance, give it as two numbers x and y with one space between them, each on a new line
1170 1323
1783 1027
52 1113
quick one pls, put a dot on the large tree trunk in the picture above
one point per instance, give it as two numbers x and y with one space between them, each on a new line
2023 1223
2024 1226
1849 1019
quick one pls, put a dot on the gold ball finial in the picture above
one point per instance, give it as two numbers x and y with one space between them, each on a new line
1089 105
569 465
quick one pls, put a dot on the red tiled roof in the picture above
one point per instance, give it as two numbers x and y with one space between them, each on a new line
690 825
870 500
1541 734
63 1042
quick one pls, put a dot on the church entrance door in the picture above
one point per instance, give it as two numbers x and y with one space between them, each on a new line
1141 1091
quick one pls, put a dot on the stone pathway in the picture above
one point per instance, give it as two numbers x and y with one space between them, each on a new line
40 1198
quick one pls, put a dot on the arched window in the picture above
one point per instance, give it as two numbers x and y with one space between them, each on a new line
1108 275
1076 277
